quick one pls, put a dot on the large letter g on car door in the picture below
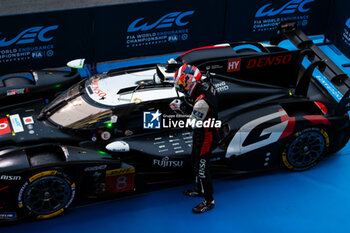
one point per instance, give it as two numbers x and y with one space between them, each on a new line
253 135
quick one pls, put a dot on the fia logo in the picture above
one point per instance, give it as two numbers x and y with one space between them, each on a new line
29 35
37 54
151 120
166 21
289 8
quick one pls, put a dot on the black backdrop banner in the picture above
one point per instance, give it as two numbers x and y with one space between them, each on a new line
35 41
256 20
50 39
339 28
151 28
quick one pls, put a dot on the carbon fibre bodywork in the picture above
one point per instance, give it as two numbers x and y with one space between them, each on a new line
16 88
93 140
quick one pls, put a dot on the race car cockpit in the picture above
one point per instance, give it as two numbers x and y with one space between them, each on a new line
102 96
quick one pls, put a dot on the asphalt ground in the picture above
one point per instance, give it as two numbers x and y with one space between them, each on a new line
13 7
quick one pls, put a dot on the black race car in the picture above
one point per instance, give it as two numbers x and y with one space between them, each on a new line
15 88
114 132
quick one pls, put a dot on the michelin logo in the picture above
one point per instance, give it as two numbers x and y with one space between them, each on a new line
151 120
289 8
167 21
29 36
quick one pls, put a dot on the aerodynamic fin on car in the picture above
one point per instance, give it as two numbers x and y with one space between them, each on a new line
331 71
289 30
318 59
304 82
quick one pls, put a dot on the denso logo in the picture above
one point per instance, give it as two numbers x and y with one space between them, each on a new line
96 89
269 61
348 23
289 8
29 35
166 21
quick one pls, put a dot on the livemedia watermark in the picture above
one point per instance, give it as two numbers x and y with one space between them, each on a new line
157 120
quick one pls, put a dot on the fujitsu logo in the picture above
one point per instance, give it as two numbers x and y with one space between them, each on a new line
289 8
166 21
29 36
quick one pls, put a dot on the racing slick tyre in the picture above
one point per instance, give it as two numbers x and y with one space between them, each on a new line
17 81
305 149
46 194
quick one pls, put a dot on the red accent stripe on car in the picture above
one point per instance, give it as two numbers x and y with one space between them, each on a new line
322 107
290 126
4 188
317 119
206 47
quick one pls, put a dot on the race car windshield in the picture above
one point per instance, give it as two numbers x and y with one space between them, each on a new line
70 109
83 104
77 113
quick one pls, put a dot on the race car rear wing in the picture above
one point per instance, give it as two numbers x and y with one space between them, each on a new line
330 70
318 59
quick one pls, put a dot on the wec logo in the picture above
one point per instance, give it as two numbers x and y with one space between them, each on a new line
166 21
289 8
29 35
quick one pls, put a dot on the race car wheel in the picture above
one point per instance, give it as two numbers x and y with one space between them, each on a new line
305 149
46 194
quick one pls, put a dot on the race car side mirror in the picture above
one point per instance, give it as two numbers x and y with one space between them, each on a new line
76 64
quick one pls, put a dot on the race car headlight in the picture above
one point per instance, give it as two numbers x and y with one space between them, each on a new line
118 146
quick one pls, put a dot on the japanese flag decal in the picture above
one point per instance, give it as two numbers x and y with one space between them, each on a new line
271 134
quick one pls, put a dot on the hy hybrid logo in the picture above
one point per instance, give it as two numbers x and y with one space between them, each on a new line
166 21
151 120
289 8
29 36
